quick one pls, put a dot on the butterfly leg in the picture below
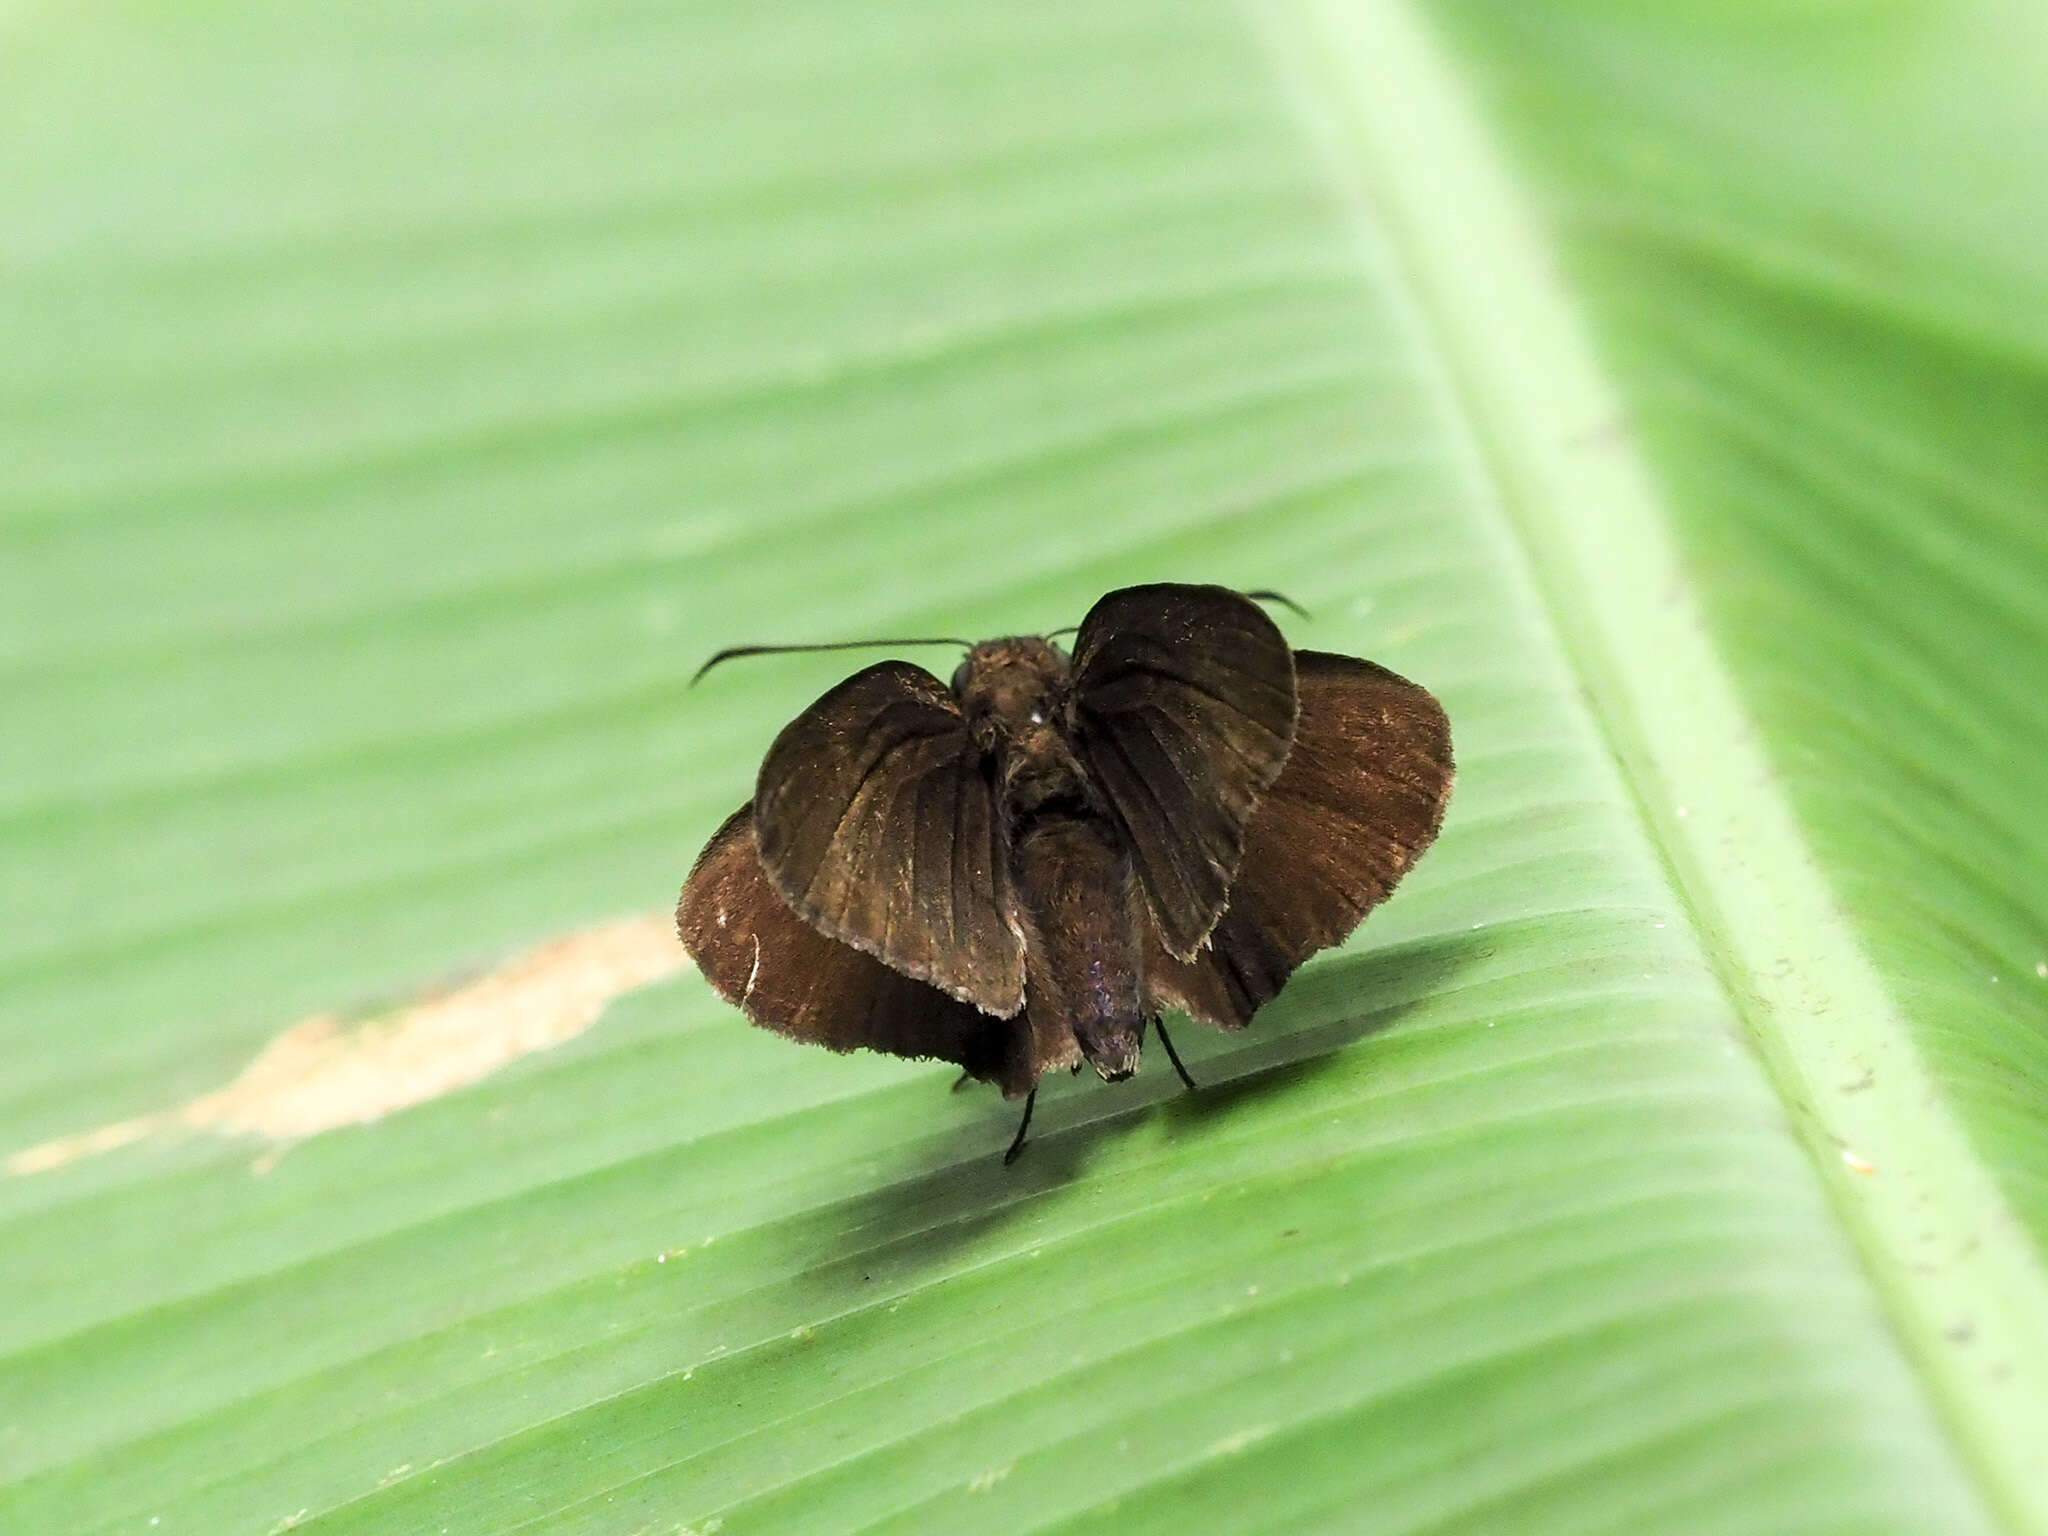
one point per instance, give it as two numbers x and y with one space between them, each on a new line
1024 1125
1171 1054
961 1082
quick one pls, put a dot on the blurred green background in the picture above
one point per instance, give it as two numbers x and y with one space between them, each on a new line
398 403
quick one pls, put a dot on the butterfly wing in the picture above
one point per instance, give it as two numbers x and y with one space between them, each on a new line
1361 796
786 976
1182 709
877 824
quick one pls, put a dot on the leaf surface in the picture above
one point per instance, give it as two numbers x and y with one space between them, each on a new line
398 405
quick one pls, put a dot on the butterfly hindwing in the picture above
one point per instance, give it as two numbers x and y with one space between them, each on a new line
1361 796
1182 710
877 824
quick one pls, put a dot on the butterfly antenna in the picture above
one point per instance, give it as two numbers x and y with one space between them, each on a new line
733 651
1267 595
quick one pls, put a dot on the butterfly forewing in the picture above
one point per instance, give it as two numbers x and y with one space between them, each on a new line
877 824
1361 796
785 975
1182 710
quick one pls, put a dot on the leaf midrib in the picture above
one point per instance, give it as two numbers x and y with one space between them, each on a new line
1549 444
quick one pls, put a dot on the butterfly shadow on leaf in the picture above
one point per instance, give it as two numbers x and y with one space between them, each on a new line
958 1190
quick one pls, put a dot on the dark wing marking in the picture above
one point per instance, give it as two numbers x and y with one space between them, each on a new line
1361 797
1182 710
877 823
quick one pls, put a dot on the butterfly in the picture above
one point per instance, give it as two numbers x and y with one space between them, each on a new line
1023 868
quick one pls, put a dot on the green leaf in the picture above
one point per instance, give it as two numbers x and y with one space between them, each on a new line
397 405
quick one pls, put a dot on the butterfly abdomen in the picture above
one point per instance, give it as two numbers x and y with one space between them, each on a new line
1081 952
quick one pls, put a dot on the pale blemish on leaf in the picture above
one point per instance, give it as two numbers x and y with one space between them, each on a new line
322 1074
983 1481
1230 1445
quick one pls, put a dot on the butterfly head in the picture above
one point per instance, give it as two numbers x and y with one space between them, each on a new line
1011 689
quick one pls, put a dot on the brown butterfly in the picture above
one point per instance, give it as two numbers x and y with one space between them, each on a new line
1022 870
